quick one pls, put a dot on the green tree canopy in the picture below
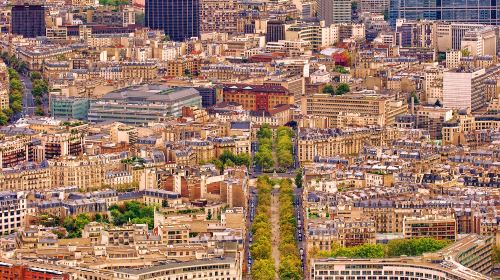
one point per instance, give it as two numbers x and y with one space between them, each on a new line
263 269
329 89
3 119
342 88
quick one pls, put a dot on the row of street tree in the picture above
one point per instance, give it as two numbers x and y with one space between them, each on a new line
284 146
261 249
15 97
264 156
40 88
394 248
290 264
271 147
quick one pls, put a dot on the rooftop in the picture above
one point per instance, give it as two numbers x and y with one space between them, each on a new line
151 93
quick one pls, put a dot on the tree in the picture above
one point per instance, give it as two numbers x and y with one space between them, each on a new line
134 212
263 269
15 84
496 255
329 89
414 97
164 204
35 76
340 69
16 106
465 52
39 111
8 112
98 217
40 88
298 179
290 268
372 251
342 88
265 132
414 247
3 119
261 248
243 159
285 158
218 164
264 159
209 215
60 233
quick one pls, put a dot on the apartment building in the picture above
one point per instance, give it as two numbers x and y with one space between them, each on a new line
218 16
432 118
257 97
13 207
433 226
62 144
207 269
15 150
433 84
334 11
383 108
334 142
481 41
324 234
373 6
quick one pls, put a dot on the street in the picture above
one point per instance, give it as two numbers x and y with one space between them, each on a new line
28 100
252 203
301 242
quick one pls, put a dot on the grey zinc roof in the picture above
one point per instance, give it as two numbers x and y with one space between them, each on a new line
151 93
174 265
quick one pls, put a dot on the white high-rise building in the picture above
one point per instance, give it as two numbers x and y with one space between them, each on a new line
334 11
463 88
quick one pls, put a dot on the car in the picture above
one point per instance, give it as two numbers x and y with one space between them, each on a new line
300 237
301 250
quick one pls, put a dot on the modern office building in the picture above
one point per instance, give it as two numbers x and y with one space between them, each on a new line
394 269
208 96
484 12
467 259
180 19
334 11
28 20
275 31
69 108
142 104
465 87
373 6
